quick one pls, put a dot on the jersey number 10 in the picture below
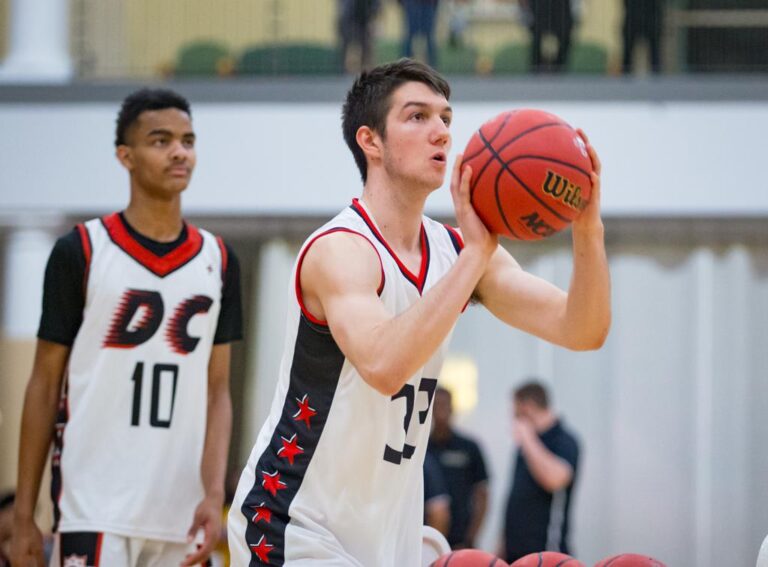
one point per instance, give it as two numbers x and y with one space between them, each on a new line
161 374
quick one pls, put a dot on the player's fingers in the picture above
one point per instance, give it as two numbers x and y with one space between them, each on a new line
456 174
466 177
204 549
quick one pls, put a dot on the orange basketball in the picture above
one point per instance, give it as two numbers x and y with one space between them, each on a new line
547 559
469 558
630 560
530 174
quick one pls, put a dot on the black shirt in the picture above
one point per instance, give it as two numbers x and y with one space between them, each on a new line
463 467
64 292
537 520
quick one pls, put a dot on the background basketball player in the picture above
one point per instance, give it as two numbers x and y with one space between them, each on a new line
131 373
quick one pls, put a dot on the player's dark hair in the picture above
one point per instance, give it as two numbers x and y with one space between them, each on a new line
369 100
142 101
532 391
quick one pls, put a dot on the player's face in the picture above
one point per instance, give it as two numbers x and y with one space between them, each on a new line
418 138
160 152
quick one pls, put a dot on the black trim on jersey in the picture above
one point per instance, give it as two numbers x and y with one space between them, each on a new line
62 418
315 372
418 280
457 244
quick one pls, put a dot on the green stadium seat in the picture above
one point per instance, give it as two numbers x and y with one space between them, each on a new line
202 58
388 50
588 58
457 60
289 59
512 58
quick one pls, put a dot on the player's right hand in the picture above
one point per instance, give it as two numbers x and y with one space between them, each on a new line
27 545
473 231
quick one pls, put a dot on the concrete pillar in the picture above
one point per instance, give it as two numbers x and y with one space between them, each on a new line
38 50
27 248
273 294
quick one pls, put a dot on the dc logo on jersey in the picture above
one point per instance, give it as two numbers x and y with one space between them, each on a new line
140 313
76 561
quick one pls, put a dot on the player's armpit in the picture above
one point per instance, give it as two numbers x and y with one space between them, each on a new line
340 278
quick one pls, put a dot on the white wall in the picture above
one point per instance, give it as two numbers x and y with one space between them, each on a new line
672 158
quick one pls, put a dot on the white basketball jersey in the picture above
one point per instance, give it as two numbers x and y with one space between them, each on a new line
335 477
132 426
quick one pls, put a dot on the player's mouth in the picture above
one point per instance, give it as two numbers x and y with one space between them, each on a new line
179 171
439 158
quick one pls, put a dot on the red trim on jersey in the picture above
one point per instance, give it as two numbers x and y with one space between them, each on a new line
158 265
299 297
85 241
97 558
224 258
419 280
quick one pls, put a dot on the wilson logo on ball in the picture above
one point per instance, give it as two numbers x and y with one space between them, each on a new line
561 188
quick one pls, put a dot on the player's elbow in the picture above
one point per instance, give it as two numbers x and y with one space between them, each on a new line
386 379
589 339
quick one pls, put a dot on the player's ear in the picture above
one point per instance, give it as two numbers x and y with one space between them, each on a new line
123 154
369 141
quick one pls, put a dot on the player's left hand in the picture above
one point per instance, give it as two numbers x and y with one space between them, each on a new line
208 519
589 219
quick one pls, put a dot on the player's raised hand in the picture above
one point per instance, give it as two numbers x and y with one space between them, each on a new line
27 545
590 216
208 519
473 230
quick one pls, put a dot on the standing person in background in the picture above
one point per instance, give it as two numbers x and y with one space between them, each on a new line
420 20
437 501
538 508
131 374
642 20
464 471
549 17
356 19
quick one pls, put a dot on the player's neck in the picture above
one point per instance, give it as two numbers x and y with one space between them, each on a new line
397 214
160 221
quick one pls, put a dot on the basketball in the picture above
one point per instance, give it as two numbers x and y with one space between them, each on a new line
469 558
547 559
630 560
530 174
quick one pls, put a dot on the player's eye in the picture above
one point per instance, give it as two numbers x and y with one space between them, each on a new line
418 116
447 120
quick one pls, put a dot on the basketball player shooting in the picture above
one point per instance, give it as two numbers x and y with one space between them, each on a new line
335 476
131 374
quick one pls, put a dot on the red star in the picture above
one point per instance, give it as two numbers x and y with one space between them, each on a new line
262 513
262 549
272 482
305 412
290 449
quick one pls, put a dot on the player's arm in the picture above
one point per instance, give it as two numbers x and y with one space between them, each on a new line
38 420
550 471
214 463
579 319
340 276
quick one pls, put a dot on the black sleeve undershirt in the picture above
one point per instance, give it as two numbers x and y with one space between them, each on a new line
64 294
